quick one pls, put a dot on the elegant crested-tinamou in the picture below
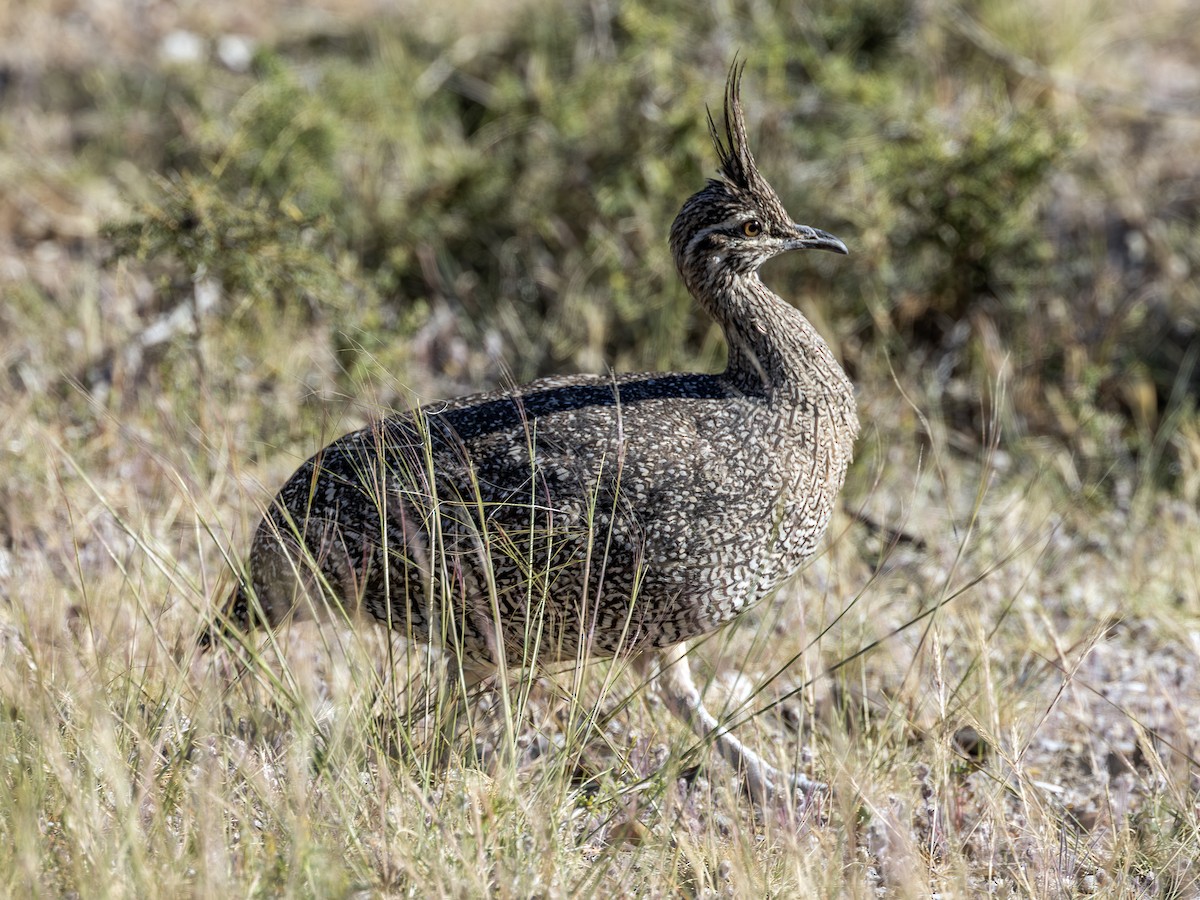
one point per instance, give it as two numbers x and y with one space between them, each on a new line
591 515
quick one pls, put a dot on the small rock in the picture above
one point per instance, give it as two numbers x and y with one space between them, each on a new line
235 51
181 48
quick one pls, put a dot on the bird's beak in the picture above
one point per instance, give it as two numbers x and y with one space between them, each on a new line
815 239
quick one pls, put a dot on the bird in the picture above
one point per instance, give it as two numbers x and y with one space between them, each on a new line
590 516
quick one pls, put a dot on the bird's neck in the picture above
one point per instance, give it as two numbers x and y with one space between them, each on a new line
776 352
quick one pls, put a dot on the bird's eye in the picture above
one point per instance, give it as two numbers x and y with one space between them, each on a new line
752 228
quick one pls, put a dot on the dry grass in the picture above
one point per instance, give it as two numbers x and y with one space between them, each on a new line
1023 724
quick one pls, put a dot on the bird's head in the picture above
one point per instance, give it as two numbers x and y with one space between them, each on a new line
737 222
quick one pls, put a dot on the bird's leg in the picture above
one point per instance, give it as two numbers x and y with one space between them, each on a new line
678 690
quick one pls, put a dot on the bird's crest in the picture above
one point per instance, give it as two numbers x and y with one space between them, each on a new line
738 168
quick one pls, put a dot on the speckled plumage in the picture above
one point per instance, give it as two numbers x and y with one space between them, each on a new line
605 514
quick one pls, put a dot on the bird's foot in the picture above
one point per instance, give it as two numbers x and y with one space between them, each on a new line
772 788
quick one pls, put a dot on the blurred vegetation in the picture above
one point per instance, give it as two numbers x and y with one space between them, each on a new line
520 184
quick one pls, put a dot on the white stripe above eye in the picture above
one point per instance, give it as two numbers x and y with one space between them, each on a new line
721 226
